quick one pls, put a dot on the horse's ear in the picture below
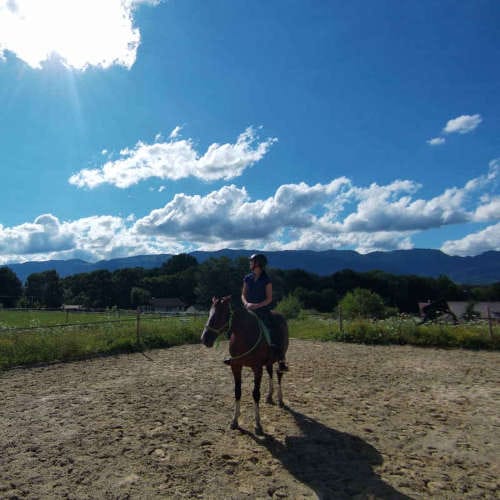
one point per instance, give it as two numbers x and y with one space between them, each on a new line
226 298
214 300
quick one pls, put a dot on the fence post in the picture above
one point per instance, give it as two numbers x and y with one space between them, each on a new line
490 326
341 326
137 326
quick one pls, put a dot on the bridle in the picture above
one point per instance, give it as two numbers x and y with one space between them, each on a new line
225 328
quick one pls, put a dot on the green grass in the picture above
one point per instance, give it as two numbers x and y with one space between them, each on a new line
35 339
397 331
37 318
95 335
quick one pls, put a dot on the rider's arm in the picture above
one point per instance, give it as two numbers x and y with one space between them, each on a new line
258 305
269 295
244 295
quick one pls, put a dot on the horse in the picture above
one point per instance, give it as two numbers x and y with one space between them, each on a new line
247 347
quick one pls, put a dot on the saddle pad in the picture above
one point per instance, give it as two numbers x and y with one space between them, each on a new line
263 328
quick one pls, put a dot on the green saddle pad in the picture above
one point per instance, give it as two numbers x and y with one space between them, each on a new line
263 328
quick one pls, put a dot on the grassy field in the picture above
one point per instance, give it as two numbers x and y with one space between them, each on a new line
398 330
30 337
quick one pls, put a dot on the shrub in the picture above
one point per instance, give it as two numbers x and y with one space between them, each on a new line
362 303
290 307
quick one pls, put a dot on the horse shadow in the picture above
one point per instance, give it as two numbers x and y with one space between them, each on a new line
333 464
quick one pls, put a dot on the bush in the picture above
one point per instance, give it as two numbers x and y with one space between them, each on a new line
290 307
362 303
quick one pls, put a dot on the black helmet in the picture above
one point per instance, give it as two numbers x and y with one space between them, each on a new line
259 259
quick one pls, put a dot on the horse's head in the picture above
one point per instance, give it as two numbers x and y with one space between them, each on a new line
219 320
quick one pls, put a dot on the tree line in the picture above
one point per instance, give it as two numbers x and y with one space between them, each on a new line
195 283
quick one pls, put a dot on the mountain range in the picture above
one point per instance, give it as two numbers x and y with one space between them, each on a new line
481 269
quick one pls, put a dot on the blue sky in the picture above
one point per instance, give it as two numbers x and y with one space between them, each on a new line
137 126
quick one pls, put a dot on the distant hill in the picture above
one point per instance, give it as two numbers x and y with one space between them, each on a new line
481 269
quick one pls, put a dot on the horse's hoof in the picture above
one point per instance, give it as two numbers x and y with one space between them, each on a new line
258 430
234 425
269 400
281 404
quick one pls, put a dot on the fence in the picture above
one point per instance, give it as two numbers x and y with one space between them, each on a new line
120 315
28 337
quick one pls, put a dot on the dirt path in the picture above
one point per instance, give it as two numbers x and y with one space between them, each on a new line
362 422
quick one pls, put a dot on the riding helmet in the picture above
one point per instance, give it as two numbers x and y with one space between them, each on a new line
259 259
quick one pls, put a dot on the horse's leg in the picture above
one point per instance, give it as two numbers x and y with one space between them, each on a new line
257 371
280 393
237 394
269 369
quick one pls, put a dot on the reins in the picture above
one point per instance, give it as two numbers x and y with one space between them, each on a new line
226 328
250 350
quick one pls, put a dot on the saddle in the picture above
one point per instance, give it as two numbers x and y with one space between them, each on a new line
275 344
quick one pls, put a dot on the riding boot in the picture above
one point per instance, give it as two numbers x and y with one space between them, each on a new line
278 352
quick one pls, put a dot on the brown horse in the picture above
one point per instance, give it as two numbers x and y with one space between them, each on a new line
247 347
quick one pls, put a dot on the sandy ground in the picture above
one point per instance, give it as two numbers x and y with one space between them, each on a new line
359 422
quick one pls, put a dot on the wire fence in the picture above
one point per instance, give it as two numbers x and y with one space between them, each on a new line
29 337
103 318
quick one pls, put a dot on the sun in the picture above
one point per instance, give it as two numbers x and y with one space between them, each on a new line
80 33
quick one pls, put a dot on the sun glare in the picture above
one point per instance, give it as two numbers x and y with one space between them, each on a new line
79 33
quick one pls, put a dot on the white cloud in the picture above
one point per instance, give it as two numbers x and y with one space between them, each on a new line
436 141
336 214
229 213
43 235
175 160
488 211
91 238
463 124
315 239
392 208
475 243
175 133
80 33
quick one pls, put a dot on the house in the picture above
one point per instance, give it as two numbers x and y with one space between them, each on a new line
170 305
482 310
72 307
195 310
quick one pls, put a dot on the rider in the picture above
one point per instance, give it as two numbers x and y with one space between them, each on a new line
257 295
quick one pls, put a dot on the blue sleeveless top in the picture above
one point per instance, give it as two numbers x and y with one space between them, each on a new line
256 289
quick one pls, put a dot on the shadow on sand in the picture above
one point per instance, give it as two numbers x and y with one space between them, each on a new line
334 464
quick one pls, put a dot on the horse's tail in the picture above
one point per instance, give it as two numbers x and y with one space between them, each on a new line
282 328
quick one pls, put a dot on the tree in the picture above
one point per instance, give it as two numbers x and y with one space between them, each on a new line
45 289
90 289
100 289
295 278
139 296
165 285
218 277
362 303
178 263
123 280
11 288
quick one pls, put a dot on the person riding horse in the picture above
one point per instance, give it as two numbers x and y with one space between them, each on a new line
257 296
